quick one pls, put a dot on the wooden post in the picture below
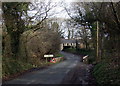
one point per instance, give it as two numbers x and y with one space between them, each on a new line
97 51
46 60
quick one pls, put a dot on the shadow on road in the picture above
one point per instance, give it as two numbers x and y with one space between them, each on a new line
81 74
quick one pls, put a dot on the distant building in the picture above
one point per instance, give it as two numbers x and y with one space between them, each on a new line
67 42
72 43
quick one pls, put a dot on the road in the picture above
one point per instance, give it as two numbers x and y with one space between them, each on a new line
52 75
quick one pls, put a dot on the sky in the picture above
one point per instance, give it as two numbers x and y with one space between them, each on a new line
58 10
59 0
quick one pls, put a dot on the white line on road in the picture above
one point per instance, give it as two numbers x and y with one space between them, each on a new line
67 71
31 82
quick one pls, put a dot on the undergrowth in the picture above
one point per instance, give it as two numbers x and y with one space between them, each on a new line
106 74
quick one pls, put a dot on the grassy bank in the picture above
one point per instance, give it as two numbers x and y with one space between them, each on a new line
11 68
59 55
106 74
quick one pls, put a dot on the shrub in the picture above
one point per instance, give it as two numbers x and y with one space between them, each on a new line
105 74
31 50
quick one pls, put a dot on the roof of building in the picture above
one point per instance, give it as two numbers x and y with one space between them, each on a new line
68 40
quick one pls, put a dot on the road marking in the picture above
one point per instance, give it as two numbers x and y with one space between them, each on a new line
31 82
67 71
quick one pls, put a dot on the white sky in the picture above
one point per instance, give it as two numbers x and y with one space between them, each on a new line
58 11
63 0
62 13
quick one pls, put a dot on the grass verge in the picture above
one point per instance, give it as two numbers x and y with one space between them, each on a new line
12 68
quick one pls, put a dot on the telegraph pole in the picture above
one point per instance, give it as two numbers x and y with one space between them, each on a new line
97 51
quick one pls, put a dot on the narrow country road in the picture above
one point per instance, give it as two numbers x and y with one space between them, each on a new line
52 75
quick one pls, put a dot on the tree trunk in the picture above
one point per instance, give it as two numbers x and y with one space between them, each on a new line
15 38
69 34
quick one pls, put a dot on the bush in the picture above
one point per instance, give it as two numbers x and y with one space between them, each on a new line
105 74
42 42
31 50
11 66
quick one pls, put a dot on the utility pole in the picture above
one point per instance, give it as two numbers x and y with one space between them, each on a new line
97 51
